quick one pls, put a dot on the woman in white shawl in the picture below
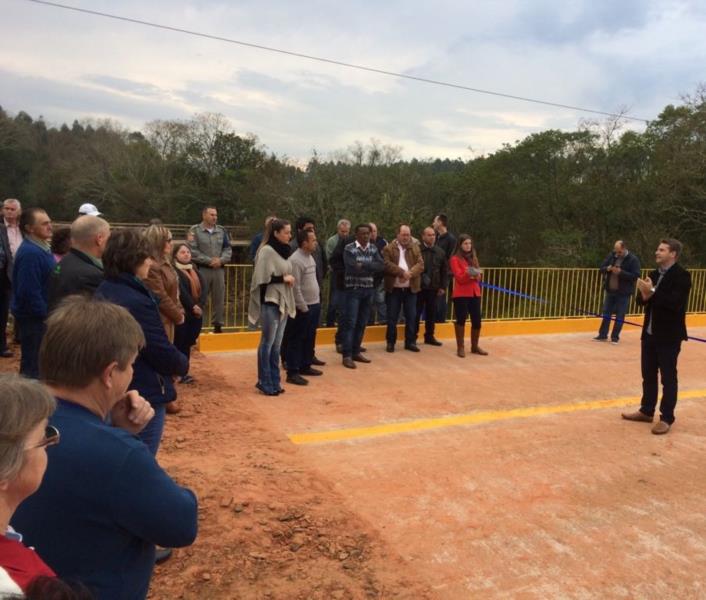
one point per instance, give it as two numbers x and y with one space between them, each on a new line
272 301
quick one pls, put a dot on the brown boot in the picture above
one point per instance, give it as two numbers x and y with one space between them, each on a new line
475 348
173 407
460 352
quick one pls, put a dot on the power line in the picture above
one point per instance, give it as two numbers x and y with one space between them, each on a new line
334 62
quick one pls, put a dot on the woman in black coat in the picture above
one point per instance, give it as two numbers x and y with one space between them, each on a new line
192 293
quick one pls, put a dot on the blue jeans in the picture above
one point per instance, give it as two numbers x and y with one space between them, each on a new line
614 304
302 339
31 333
358 303
401 299
151 435
273 324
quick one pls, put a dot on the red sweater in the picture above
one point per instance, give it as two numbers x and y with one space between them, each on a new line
464 285
21 563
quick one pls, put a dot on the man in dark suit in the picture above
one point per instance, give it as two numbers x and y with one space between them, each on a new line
664 294
5 288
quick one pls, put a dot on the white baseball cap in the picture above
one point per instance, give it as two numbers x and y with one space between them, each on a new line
89 209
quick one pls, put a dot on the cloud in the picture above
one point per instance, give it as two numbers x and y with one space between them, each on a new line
640 54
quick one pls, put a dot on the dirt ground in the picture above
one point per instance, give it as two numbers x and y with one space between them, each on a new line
566 501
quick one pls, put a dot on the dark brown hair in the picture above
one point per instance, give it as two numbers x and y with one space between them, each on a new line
674 245
126 250
472 259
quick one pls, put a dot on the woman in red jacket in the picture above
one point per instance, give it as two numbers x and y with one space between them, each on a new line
466 293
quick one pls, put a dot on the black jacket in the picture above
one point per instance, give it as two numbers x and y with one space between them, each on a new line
447 242
75 274
629 272
436 270
185 297
6 269
667 306
338 269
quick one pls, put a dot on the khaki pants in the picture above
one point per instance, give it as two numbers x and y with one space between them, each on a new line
215 279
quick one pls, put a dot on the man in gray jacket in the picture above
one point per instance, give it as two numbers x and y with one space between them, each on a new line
210 249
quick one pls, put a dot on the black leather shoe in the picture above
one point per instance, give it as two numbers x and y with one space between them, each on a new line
319 363
432 342
363 349
7 354
390 348
310 372
162 555
348 363
297 379
360 358
411 347
218 329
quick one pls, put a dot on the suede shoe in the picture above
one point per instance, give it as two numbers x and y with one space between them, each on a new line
411 347
360 358
297 379
348 363
639 416
390 348
317 362
310 372
432 341
661 427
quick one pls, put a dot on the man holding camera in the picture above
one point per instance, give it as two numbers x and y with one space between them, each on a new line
621 269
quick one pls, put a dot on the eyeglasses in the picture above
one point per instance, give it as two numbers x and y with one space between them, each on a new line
51 438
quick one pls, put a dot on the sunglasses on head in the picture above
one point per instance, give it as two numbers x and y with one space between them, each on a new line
51 438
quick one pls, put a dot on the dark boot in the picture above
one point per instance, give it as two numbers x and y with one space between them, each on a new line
460 352
475 348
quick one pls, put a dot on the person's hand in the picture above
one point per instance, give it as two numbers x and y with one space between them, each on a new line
441 292
289 279
616 270
406 276
215 263
645 285
197 311
181 319
132 412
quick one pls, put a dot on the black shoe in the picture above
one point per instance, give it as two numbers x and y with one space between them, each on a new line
339 348
600 338
360 358
348 362
262 391
297 379
432 341
310 372
162 555
390 348
218 329
363 349
7 354
317 362
186 379
411 347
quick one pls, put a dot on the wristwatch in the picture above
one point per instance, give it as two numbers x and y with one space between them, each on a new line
652 290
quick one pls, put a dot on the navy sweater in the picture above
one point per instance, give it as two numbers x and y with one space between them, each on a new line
159 359
30 280
103 505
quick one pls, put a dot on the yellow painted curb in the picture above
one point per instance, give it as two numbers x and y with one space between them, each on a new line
415 425
248 340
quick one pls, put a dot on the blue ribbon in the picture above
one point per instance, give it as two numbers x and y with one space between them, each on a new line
589 313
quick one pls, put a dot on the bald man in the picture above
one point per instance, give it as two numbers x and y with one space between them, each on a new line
81 270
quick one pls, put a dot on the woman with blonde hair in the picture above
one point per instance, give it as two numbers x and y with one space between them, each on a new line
162 278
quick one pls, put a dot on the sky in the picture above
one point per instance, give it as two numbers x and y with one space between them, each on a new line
638 55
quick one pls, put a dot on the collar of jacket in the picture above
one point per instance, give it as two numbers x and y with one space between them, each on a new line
136 283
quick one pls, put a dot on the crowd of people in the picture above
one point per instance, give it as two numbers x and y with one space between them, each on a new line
107 325
406 278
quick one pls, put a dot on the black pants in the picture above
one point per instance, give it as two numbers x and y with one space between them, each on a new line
468 306
660 357
31 333
401 299
5 295
186 334
302 339
427 302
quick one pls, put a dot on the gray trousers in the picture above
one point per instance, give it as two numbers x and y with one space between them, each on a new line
215 279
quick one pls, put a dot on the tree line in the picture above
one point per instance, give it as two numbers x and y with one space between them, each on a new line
554 198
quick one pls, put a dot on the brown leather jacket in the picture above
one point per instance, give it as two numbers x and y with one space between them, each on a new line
163 282
415 263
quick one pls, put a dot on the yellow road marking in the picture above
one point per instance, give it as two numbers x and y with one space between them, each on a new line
339 435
